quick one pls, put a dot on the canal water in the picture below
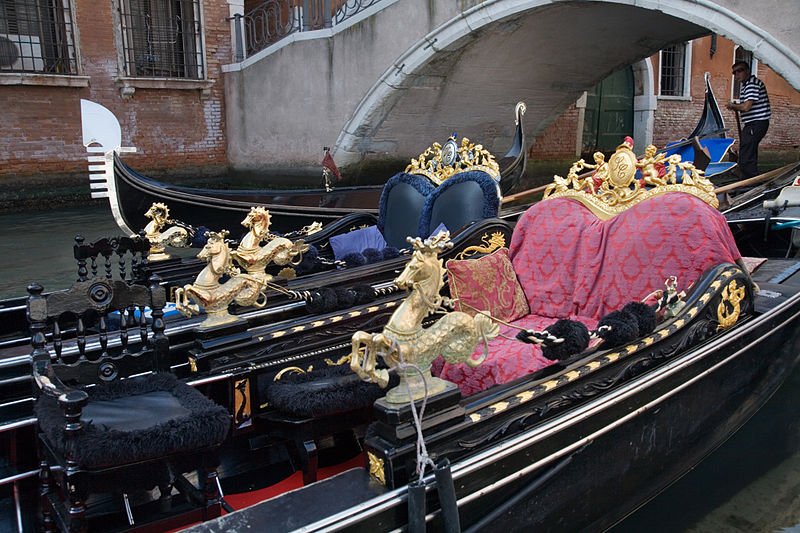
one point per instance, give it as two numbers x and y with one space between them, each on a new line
750 484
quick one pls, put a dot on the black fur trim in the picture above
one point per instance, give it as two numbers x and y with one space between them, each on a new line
354 259
321 392
575 335
344 298
309 262
390 252
98 446
372 255
646 316
622 327
363 293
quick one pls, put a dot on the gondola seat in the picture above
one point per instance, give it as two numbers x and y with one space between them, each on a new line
412 206
460 201
111 418
570 264
400 207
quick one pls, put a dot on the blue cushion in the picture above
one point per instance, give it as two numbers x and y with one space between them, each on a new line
440 227
357 241
401 206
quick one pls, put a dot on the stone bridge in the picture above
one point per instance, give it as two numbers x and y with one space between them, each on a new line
403 73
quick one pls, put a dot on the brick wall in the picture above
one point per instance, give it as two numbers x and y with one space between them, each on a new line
558 141
171 128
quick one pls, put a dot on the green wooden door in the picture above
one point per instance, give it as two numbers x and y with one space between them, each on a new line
609 112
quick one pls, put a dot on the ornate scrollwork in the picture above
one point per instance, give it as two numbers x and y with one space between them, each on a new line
614 186
732 296
376 468
440 162
490 244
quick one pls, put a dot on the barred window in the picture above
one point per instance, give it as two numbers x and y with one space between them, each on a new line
162 38
673 70
37 36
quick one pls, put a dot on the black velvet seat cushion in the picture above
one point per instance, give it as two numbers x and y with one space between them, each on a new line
322 392
137 419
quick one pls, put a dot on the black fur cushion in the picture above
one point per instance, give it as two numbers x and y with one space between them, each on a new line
321 392
99 446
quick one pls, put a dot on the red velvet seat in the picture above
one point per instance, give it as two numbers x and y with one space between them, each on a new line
571 264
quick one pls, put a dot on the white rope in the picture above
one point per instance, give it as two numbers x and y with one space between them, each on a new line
423 459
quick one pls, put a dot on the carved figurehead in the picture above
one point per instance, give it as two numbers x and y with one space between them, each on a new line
209 295
160 237
254 257
245 288
615 185
404 340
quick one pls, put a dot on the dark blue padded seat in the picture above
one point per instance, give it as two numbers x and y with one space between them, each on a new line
401 204
459 201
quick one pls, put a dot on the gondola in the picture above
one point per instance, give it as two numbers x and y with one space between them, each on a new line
131 194
572 440
581 442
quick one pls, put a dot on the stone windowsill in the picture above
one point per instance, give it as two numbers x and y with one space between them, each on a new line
127 86
49 80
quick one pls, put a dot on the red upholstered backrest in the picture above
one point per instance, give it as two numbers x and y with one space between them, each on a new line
569 262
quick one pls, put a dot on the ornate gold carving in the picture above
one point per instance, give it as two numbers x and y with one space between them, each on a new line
732 295
245 288
161 236
342 360
376 467
453 336
613 187
439 162
490 244
288 273
288 369
242 410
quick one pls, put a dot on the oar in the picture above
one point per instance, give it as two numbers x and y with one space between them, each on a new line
766 176
535 190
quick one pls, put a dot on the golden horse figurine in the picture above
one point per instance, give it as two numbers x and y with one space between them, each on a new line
245 288
254 257
214 297
159 237
454 336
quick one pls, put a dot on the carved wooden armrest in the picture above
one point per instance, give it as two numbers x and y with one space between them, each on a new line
50 385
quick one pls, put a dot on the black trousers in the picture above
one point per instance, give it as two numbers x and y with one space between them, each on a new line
752 133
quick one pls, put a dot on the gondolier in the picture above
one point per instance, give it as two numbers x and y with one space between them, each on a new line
755 112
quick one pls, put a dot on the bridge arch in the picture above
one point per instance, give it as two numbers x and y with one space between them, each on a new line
445 45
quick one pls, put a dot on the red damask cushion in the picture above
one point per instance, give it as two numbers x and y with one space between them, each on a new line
487 284
570 262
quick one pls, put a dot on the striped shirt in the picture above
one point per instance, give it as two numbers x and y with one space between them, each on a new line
753 89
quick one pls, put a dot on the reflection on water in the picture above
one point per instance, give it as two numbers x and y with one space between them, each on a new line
750 484
38 246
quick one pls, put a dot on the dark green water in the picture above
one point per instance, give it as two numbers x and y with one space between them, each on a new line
750 484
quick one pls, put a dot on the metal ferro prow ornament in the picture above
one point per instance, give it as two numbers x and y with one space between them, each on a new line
404 340
245 288
160 237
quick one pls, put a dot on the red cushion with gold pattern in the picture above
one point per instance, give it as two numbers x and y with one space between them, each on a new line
487 284
571 264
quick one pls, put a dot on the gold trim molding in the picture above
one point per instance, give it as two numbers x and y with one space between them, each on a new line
441 162
613 186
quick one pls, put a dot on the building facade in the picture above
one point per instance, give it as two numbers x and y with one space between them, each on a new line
660 99
154 63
